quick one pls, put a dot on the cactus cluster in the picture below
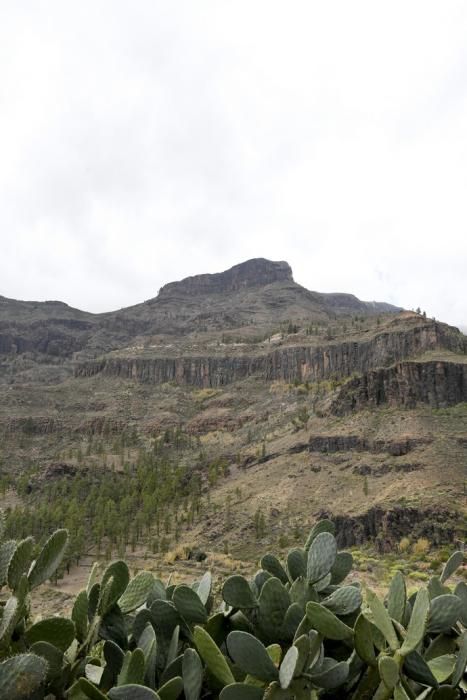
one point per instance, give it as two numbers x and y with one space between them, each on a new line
295 631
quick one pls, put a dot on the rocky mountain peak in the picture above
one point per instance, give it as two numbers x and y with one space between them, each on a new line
257 272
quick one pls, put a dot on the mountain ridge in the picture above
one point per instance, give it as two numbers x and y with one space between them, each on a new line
258 291
270 397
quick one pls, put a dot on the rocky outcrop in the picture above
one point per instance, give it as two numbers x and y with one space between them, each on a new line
46 425
252 273
39 425
56 337
346 443
295 363
438 384
386 527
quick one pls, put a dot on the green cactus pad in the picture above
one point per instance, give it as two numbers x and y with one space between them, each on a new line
192 669
172 689
455 560
212 657
331 675
397 597
114 582
132 671
172 670
132 692
363 640
241 691
53 657
288 667
274 601
389 671
461 592
416 668
321 526
301 591
341 567
325 622
461 661
172 650
58 631
49 558
79 615
296 563
21 676
417 623
251 656
137 592
114 658
399 693
344 600
189 605
11 613
303 645
204 588
321 556
445 610
20 562
7 549
237 593
380 618
147 640
292 620
442 667
260 579
164 617
272 564
436 588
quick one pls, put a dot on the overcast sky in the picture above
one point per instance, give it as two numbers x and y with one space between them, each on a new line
147 140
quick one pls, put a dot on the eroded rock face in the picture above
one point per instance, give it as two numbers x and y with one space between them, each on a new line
439 384
346 443
252 273
295 363
386 527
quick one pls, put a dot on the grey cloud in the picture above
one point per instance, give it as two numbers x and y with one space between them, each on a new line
143 142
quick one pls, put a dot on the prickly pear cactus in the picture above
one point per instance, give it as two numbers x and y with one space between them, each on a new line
295 631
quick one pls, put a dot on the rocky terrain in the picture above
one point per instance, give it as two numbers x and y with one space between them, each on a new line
313 403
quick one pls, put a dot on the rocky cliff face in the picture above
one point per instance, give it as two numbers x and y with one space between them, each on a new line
252 273
439 384
258 293
346 443
385 527
301 363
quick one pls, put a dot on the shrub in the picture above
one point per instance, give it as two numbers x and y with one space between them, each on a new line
404 544
421 546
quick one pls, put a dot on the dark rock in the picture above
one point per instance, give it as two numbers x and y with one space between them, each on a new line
196 555
406 384
301 363
59 470
252 273
386 527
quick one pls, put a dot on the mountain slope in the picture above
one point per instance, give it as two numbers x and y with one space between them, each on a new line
271 399
256 293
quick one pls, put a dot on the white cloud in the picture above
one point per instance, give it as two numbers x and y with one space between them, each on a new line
142 142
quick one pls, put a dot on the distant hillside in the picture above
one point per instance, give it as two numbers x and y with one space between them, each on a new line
258 293
227 411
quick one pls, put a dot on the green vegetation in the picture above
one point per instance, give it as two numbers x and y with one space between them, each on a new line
137 496
295 631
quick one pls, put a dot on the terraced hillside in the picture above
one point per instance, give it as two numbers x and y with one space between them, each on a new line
227 411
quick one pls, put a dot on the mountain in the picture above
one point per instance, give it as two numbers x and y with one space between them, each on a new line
270 398
258 293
